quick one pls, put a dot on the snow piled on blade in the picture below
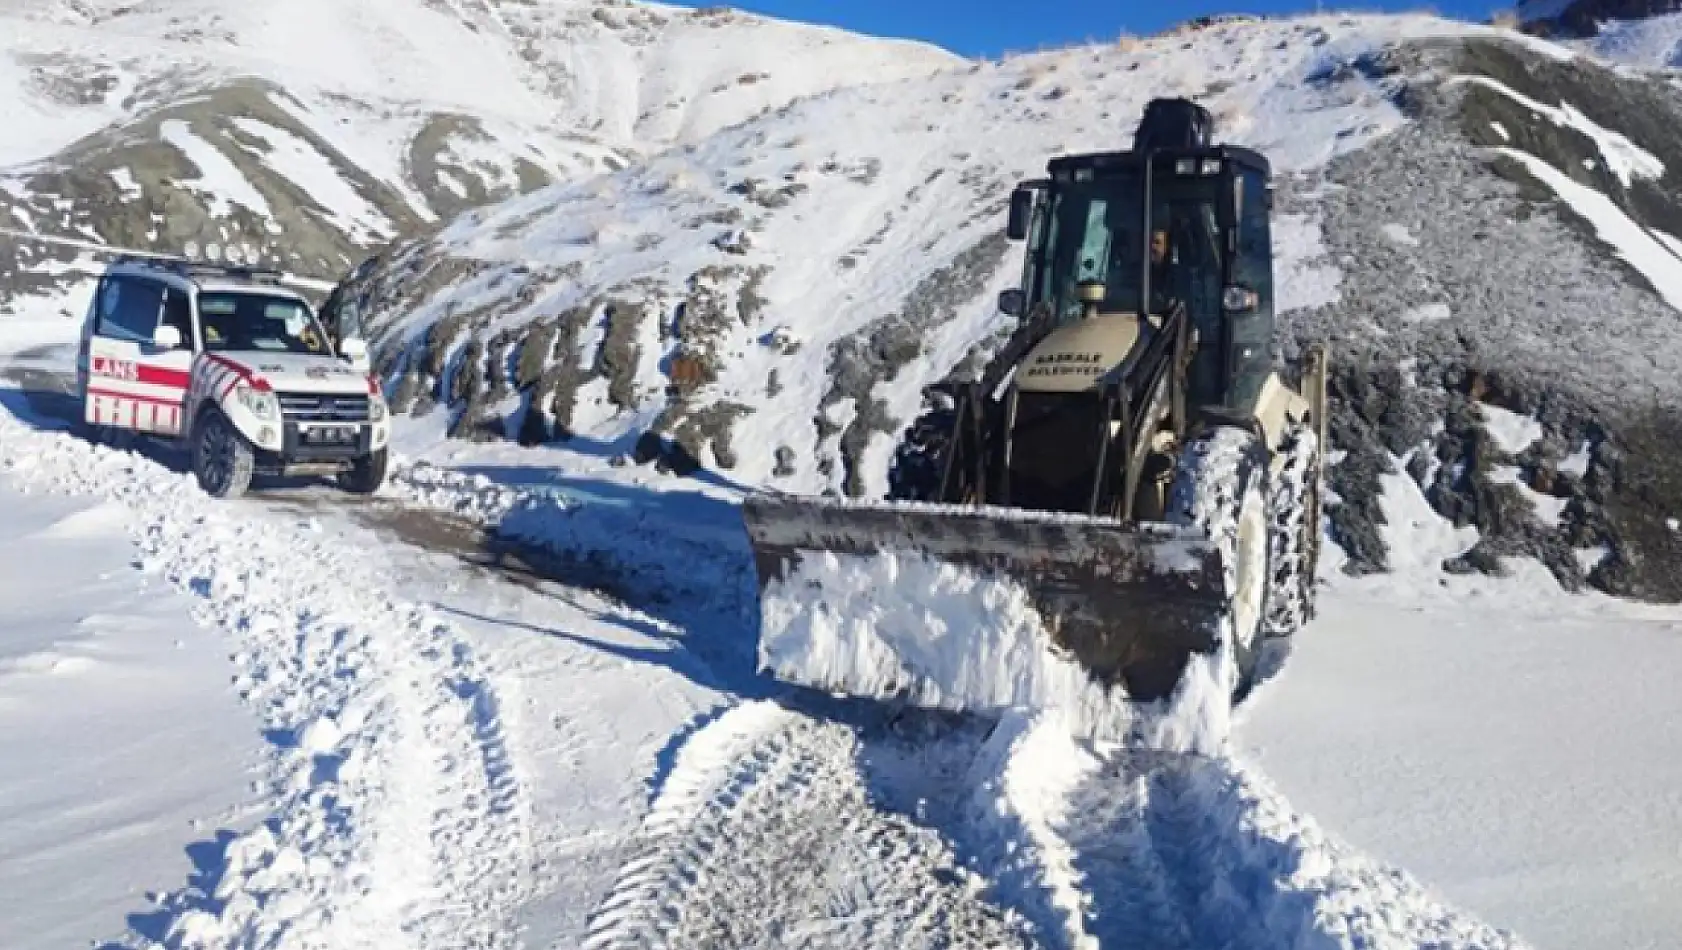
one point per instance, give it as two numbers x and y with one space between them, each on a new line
908 627
902 624
394 815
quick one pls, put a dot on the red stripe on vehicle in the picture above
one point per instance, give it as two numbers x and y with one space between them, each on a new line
256 382
151 400
163 376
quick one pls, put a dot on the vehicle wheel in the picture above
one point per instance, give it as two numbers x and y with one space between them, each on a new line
1220 485
222 457
914 473
90 432
366 475
1293 536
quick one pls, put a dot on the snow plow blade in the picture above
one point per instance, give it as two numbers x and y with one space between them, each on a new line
979 609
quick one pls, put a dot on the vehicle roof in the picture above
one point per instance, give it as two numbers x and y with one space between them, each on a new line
1100 160
273 290
204 276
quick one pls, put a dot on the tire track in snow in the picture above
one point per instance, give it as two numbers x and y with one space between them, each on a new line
396 817
764 835
1183 851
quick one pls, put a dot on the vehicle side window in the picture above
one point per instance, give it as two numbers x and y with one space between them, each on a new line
178 313
1252 333
1255 238
129 308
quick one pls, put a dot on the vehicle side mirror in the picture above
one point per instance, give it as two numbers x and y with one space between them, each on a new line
1021 209
166 337
1013 301
354 347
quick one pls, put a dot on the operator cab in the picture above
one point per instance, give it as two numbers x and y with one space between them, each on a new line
1138 263
1174 221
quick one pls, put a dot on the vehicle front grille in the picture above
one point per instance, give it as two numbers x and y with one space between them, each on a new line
318 407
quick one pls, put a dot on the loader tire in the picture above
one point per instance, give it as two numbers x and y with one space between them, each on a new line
1221 486
914 474
1292 538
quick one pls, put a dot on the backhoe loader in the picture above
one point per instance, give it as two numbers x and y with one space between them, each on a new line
1131 484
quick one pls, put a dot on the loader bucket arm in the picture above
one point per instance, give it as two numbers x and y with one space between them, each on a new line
978 608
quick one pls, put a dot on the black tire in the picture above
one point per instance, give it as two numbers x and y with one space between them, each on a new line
222 458
1220 484
367 474
1293 539
914 474
89 432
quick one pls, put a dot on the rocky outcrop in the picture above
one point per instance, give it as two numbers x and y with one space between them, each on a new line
1583 18
1471 290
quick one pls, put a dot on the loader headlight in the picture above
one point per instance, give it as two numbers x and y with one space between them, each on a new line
259 403
1239 299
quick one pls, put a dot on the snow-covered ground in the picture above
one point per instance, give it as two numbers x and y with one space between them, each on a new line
1505 740
441 744
395 737
1510 744
124 751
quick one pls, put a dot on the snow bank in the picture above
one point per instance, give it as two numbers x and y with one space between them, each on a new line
1499 738
1113 847
938 635
905 626
105 684
393 815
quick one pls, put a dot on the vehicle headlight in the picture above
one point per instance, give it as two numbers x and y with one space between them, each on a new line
376 409
259 403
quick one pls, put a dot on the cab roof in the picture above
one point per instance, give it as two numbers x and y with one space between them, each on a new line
1107 161
202 275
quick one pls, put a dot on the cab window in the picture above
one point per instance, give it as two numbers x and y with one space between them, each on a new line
178 313
1254 266
129 308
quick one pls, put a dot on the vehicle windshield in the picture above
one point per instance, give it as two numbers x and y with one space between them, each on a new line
1096 232
238 320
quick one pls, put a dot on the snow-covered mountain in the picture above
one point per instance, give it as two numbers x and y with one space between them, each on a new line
1583 18
1482 224
695 236
308 132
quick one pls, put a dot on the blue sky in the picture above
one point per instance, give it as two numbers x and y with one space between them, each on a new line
990 27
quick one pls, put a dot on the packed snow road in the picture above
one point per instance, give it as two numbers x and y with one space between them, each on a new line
405 802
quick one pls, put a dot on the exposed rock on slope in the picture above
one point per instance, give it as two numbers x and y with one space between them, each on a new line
773 299
1582 18
1508 322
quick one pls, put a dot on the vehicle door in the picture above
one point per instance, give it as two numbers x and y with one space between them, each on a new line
139 355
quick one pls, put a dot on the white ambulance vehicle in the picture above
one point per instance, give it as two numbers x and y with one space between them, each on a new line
234 367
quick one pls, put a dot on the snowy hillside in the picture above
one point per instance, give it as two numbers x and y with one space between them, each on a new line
308 131
1588 18
1461 212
